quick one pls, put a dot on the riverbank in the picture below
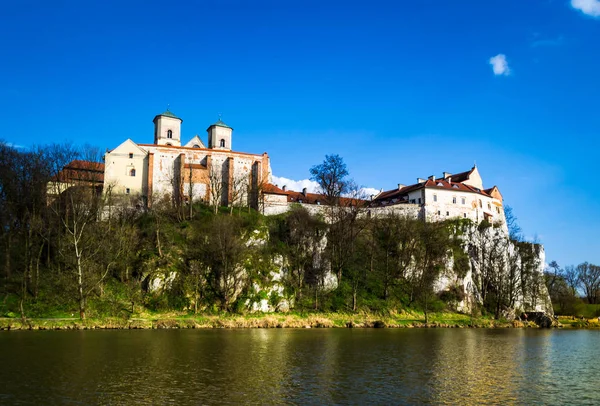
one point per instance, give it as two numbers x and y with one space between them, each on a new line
290 320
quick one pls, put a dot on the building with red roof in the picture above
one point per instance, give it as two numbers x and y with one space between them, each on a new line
212 172
460 195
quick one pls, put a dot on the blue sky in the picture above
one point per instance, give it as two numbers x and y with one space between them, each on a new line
399 89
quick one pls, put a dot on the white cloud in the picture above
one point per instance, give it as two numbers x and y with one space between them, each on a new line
297 185
589 7
548 42
17 146
370 191
313 187
500 65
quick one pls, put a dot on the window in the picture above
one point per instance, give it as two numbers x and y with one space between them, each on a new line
498 210
489 206
465 215
130 155
453 199
419 200
196 146
447 213
463 200
169 134
169 144
222 145
439 213
127 191
132 172
435 198
480 204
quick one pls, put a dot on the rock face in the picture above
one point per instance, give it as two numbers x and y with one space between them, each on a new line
497 271
490 269
485 268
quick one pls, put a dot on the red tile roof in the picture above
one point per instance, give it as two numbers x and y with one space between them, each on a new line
452 182
81 171
309 198
273 189
461 177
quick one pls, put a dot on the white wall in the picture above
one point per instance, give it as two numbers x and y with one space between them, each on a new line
118 166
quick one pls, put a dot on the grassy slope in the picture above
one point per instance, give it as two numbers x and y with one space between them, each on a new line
259 320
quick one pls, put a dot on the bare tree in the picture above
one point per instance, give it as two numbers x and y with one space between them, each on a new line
81 205
431 257
571 277
239 188
514 230
300 234
589 279
223 251
217 187
190 191
23 177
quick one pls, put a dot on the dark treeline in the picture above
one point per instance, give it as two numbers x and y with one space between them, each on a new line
574 290
77 249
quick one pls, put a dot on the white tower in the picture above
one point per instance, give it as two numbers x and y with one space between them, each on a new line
219 135
167 129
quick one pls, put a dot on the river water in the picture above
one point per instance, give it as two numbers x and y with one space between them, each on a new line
317 366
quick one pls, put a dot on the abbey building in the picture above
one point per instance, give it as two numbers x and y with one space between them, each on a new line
171 172
193 171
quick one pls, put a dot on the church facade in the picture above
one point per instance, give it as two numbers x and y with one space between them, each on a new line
194 171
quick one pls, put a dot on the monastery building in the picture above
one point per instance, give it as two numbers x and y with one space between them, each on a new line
192 171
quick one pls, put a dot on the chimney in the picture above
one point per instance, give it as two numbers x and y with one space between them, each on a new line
432 177
304 191
447 175
401 186
283 187
420 180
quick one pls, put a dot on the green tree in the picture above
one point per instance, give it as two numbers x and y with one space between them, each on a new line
332 177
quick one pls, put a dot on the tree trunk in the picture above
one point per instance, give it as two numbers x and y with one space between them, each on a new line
158 242
7 259
23 293
80 282
37 272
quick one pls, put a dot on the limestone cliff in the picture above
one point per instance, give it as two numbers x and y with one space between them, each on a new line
492 269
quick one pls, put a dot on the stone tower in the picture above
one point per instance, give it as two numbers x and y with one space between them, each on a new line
167 129
219 136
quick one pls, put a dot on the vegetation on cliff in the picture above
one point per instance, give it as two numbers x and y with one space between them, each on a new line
84 253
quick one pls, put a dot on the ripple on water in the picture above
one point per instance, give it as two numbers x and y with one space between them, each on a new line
333 366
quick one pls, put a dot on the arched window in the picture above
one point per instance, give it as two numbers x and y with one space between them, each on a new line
222 143
169 144
132 172
196 146
169 134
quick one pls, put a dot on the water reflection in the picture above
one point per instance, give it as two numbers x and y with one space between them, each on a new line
338 366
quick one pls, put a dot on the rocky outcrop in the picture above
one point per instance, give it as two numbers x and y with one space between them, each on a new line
494 270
